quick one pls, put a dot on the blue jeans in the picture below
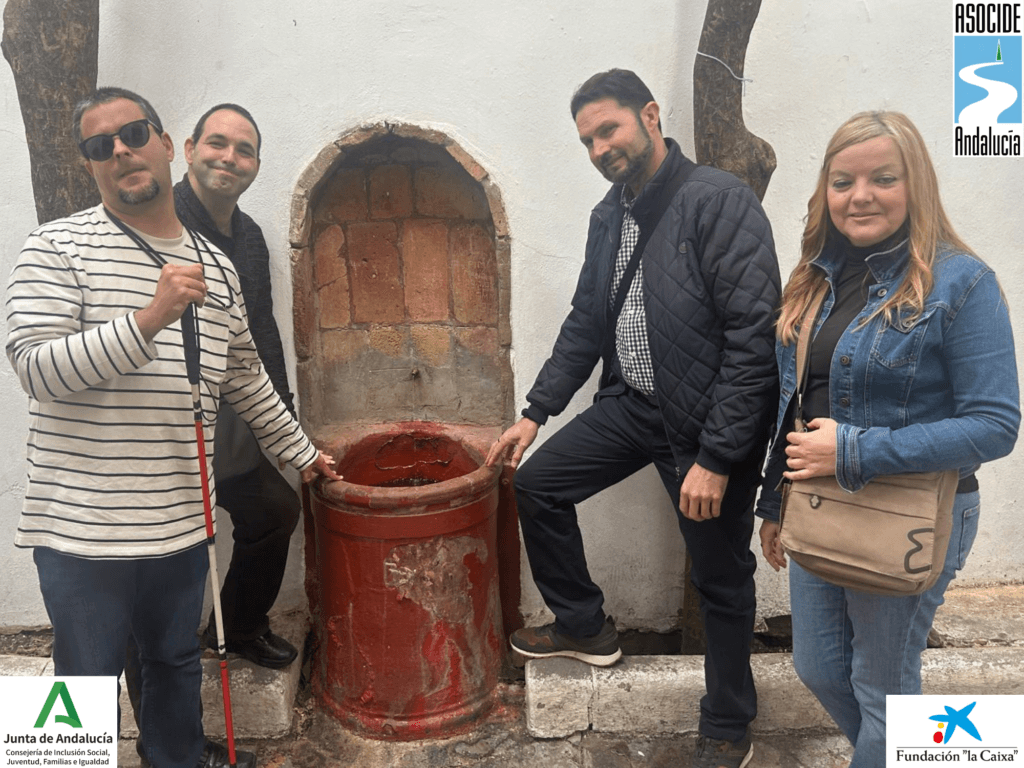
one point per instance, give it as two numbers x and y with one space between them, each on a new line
94 605
853 648
264 510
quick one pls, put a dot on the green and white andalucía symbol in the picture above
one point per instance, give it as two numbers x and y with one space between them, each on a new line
71 718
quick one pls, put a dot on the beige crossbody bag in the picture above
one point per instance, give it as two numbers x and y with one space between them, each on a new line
890 537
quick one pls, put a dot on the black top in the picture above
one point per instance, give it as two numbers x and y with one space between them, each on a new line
851 292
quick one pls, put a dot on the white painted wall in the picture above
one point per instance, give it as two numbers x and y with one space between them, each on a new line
498 79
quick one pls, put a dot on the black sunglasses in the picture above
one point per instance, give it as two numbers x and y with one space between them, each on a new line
134 135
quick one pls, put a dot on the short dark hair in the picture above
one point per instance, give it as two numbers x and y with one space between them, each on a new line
105 96
197 134
620 84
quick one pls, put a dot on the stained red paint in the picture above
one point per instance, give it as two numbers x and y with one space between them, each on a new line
409 620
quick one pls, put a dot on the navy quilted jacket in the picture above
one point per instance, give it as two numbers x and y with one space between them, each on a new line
711 286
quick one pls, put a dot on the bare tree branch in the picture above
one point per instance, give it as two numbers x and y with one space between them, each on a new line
720 136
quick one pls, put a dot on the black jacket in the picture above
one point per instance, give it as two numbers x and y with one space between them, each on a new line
710 286
247 250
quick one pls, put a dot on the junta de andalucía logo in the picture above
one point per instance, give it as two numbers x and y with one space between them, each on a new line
60 689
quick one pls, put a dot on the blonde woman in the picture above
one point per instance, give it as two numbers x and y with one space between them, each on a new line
912 369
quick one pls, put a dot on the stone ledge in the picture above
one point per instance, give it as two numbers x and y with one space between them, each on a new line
661 694
262 700
25 666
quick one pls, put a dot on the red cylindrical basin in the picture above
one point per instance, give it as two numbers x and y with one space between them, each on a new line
409 624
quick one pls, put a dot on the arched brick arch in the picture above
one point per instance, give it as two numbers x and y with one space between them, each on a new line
400 268
400 273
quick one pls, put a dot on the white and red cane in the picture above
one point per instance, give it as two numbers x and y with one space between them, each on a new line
190 341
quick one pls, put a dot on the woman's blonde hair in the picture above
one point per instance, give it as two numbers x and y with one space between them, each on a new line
928 224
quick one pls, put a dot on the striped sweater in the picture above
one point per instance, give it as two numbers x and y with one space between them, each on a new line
112 452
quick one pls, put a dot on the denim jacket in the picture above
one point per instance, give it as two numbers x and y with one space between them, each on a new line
938 394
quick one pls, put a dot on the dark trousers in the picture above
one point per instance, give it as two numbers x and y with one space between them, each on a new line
608 442
264 511
95 606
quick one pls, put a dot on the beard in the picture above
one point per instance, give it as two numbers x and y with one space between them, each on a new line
636 163
139 196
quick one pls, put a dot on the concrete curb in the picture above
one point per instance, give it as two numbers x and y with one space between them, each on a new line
661 694
262 700
25 666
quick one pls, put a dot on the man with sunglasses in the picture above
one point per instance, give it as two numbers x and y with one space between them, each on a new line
113 509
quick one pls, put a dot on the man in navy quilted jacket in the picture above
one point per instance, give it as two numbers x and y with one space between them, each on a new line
685 331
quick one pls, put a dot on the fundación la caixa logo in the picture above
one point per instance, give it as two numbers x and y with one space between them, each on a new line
58 722
987 76
953 729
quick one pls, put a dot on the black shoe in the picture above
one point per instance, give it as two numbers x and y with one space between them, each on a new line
601 650
211 757
719 753
216 756
268 650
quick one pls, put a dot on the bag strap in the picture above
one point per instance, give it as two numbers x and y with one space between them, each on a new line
803 351
658 210
803 356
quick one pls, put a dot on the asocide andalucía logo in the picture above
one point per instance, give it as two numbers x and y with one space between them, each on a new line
46 721
987 77
953 729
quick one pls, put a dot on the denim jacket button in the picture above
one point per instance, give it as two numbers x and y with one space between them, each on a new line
844 401
882 292
845 359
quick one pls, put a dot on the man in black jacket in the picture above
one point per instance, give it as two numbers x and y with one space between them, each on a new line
689 383
223 160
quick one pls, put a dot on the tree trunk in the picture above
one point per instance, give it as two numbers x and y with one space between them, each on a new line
723 141
52 47
721 138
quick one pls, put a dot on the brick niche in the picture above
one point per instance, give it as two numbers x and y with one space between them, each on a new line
401 269
400 273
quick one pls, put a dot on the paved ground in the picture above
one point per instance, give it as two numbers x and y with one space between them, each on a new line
972 618
982 616
503 742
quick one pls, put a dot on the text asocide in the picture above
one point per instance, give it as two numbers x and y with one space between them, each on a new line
987 18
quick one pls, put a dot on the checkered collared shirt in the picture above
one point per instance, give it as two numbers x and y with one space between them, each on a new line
631 343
